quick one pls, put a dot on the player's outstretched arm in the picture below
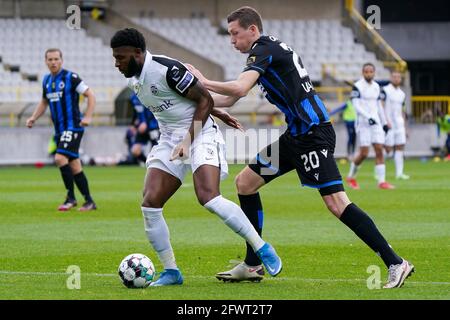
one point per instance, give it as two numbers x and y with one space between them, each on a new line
87 119
236 88
40 109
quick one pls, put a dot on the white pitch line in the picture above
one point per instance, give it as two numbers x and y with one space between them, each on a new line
210 277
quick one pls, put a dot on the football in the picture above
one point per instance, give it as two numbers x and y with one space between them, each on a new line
136 271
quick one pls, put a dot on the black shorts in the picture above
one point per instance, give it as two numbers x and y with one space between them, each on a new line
142 138
69 144
311 155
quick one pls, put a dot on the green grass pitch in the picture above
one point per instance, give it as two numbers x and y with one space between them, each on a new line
322 259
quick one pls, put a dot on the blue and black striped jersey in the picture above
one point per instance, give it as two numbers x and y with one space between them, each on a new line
286 84
62 94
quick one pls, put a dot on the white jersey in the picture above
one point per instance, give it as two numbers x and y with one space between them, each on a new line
366 100
394 101
161 87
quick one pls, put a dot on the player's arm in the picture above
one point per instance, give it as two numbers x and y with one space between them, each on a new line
237 88
222 101
87 118
357 104
384 117
204 105
39 111
227 118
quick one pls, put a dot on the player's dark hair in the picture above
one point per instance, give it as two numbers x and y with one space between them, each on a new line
128 37
53 50
368 64
246 16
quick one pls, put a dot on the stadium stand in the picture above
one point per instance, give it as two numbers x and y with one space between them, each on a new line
22 49
324 45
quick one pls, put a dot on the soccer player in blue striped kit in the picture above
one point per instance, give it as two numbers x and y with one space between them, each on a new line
307 146
61 90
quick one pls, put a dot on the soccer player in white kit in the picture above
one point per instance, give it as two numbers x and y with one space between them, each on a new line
394 103
371 126
182 107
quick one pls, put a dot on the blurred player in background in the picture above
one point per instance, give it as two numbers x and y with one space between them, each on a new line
393 98
443 125
144 130
182 107
61 90
307 146
349 117
371 126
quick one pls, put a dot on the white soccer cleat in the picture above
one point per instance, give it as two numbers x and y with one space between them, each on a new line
242 272
402 177
398 274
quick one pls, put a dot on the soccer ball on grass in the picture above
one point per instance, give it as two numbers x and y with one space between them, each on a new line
136 271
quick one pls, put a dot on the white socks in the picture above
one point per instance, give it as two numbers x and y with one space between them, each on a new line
380 172
398 159
158 235
235 219
353 170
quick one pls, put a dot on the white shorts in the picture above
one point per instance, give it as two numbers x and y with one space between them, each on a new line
396 137
369 135
209 149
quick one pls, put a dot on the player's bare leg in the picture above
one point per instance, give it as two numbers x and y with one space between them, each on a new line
159 186
364 227
206 182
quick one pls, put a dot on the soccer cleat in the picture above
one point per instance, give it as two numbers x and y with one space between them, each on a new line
67 205
242 272
270 259
402 177
168 277
88 206
398 274
352 183
385 185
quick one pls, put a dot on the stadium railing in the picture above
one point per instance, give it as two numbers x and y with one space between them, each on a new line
391 59
424 108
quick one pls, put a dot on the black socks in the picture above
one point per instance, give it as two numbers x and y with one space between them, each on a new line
252 207
363 226
67 177
82 184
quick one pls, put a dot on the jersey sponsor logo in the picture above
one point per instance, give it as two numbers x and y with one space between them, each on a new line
185 82
61 85
164 106
54 96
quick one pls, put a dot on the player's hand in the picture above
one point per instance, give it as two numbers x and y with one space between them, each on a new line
142 128
30 122
229 119
372 121
181 151
196 72
386 128
86 121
